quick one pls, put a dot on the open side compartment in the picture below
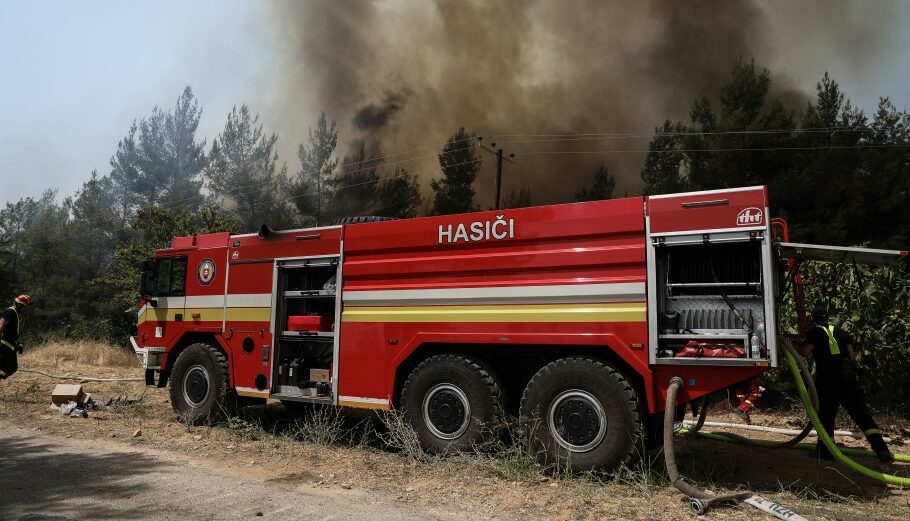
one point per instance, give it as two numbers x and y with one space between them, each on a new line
306 309
711 298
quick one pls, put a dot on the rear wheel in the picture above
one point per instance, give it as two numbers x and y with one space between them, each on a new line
452 401
198 383
582 414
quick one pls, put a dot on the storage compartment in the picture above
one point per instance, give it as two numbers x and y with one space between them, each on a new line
309 323
710 299
305 368
305 322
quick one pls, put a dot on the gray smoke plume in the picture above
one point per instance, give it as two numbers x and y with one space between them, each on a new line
406 74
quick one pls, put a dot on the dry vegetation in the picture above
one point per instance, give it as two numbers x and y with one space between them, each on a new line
333 451
75 356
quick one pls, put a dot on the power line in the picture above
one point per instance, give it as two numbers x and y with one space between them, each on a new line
378 161
696 150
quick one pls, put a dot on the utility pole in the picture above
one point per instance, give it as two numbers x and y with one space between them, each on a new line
499 155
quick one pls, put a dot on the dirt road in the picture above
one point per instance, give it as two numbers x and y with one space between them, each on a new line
310 466
52 478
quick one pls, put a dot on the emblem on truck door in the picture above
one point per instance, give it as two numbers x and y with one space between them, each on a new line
749 216
206 272
496 229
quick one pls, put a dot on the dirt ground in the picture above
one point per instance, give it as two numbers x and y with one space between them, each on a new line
261 446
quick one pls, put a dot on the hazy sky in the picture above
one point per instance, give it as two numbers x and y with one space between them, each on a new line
76 74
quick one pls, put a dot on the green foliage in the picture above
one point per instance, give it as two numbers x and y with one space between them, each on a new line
842 179
873 307
243 169
518 199
454 193
317 169
601 188
355 189
399 195
159 160
152 227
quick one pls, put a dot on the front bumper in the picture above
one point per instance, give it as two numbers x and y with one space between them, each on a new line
150 357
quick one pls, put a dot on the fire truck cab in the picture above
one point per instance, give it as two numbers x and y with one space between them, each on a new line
572 317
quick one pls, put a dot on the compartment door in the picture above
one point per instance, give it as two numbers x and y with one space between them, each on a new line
712 211
850 255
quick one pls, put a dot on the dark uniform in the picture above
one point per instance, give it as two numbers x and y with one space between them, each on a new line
837 384
8 342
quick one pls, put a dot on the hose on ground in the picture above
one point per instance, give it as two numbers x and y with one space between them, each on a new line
803 377
701 500
80 378
828 441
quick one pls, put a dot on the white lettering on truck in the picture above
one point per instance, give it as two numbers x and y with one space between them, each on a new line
497 229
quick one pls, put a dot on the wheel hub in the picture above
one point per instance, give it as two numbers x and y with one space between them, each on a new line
196 386
577 421
446 411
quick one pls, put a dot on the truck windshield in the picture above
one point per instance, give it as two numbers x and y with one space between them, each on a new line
164 277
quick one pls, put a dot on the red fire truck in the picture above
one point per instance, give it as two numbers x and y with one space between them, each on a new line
574 317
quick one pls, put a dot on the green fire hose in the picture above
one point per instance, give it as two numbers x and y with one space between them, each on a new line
801 376
702 501
825 438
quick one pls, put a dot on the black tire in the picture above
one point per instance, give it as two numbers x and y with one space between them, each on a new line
582 415
199 383
453 402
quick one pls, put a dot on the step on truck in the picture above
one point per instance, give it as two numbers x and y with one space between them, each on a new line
571 317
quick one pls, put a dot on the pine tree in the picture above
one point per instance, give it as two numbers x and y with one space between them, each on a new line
244 170
159 161
601 188
354 188
399 195
518 199
317 168
454 193
663 169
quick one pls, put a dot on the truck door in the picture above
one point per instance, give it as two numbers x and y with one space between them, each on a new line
164 286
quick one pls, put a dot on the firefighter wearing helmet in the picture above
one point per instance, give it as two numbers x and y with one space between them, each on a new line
837 384
10 328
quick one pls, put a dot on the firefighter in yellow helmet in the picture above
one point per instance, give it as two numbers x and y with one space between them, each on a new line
11 320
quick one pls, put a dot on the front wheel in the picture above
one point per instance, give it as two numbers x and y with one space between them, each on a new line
582 414
198 383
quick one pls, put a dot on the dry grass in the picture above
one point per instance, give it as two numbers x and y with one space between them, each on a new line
70 355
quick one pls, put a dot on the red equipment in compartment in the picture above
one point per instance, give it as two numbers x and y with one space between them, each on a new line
713 349
312 323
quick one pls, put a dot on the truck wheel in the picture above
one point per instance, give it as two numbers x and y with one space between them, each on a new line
582 414
198 384
452 401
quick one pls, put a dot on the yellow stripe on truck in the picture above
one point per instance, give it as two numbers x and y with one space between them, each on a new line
613 312
249 314
208 314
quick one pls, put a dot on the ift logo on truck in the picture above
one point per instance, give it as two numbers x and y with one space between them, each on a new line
749 216
496 229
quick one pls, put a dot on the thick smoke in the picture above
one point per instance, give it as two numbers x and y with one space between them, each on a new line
402 75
